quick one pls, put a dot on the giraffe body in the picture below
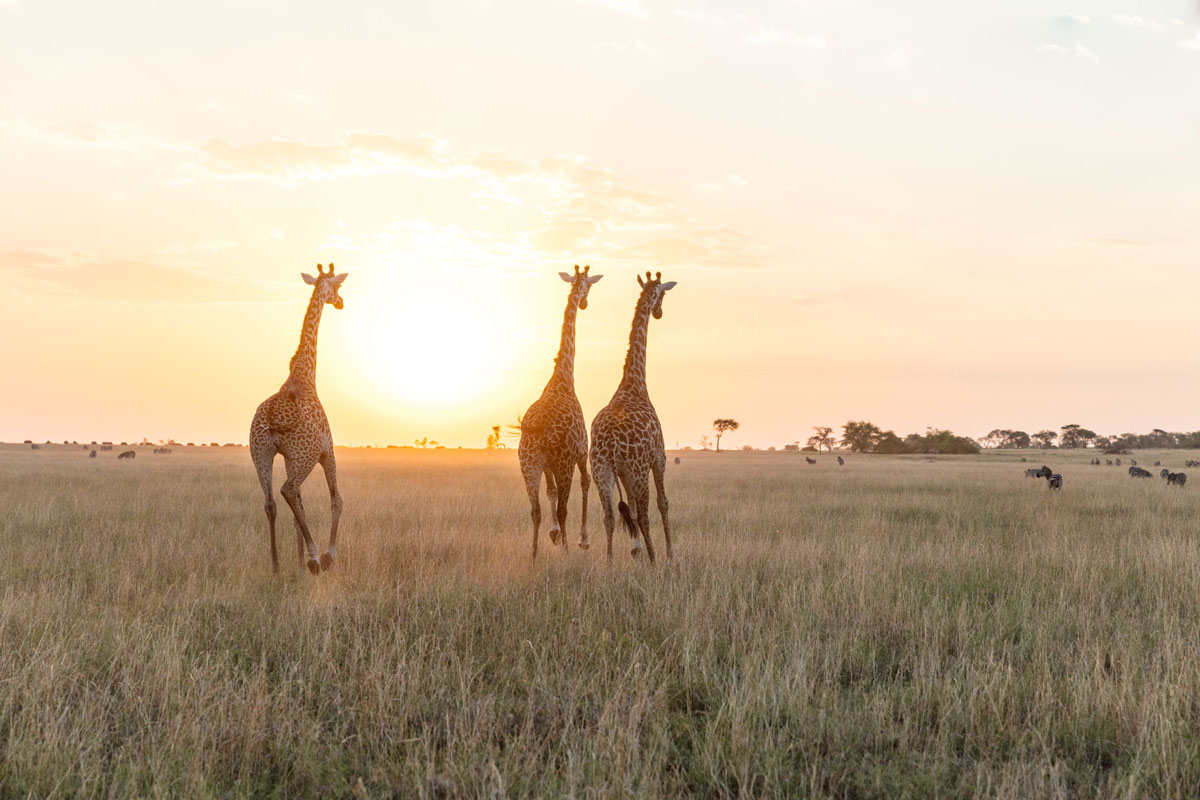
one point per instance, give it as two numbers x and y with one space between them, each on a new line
627 440
292 423
553 432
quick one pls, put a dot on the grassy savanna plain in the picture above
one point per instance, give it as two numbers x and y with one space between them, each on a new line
898 627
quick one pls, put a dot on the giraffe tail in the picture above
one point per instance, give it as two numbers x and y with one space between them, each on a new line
626 514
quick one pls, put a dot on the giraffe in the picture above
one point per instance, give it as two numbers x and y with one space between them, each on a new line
627 440
553 432
292 422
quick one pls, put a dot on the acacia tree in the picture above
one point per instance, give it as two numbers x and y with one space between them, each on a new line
493 439
822 437
1043 438
704 442
721 426
861 436
1075 436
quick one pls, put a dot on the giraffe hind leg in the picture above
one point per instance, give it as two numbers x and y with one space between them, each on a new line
660 495
297 470
552 496
563 482
584 487
603 477
264 458
533 476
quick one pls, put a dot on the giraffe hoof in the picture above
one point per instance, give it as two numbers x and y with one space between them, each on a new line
326 561
553 536
584 545
636 552
314 566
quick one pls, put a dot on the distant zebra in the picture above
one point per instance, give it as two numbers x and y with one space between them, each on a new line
1033 473
1131 461
92 454
1023 459
1053 479
127 454
810 460
841 461
1138 472
1108 461
676 459
1158 463
1177 478
1118 462
35 447
1165 472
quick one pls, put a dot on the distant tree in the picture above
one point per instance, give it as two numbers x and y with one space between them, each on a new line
1074 436
704 442
1016 440
1043 438
422 442
860 437
822 437
493 439
940 442
721 426
890 444
792 446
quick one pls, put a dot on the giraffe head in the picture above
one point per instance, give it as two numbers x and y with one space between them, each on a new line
653 290
326 284
580 283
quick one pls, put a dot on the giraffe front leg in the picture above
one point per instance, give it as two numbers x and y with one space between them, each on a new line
552 496
584 487
563 483
335 509
661 495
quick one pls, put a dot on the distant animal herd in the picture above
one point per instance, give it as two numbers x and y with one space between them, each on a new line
1055 481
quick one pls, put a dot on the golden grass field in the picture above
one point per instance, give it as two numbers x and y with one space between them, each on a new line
898 627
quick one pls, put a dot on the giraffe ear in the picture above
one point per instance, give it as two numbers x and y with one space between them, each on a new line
595 279
669 286
309 279
337 279
566 276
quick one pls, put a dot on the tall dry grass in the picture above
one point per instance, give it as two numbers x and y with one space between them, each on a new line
902 627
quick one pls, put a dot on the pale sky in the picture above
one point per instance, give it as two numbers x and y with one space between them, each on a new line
943 214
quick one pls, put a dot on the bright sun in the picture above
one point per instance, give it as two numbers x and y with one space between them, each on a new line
431 342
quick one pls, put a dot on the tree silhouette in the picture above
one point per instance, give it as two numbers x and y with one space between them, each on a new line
422 442
721 426
861 436
493 439
822 437
1044 438
1075 436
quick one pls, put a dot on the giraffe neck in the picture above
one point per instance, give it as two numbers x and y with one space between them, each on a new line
635 360
564 362
303 368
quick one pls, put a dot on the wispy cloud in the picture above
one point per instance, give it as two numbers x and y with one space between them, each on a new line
638 46
73 276
898 60
630 7
1137 22
1192 43
699 17
767 36
1078 51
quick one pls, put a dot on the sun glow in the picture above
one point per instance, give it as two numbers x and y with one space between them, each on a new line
431 341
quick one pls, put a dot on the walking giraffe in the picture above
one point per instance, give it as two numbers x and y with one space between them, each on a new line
627 440
292 423
553 433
